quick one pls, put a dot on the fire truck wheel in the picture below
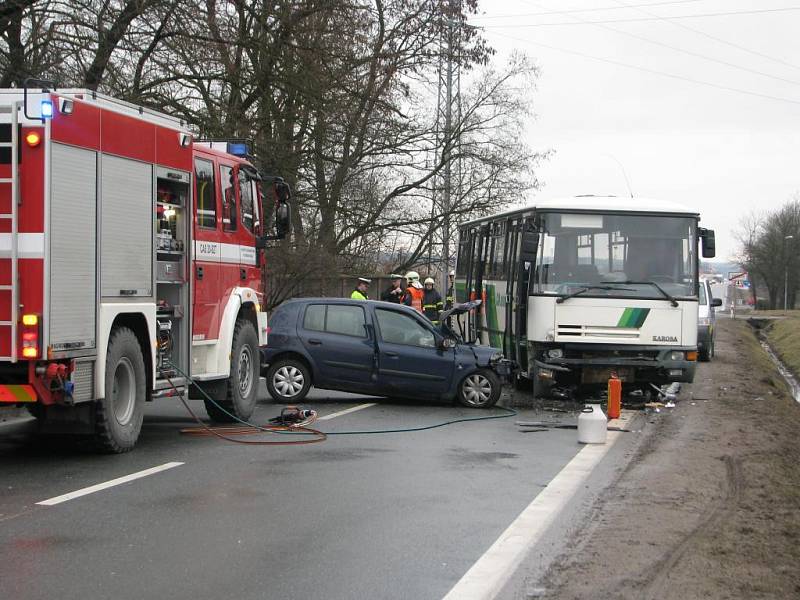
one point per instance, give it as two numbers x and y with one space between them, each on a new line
288 380
118 416
242 386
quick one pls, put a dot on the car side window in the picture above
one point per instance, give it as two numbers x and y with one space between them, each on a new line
346 320
397 328
703 300
314 319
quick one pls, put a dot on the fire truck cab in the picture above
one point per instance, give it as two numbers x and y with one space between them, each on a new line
130 257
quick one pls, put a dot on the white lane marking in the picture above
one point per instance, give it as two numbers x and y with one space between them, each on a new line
492 571
102 486
347 411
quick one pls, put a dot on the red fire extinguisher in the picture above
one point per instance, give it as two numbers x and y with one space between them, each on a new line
614 396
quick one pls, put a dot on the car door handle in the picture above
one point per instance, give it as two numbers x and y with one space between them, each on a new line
314 342
391 354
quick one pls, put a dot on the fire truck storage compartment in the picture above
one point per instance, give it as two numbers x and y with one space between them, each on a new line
172 284
126 268
72 254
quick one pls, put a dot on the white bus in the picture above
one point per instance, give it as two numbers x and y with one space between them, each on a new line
578 288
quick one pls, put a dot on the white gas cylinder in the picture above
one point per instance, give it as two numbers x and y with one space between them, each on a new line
592 425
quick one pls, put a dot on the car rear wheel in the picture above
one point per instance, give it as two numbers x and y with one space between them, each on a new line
480 389
288 380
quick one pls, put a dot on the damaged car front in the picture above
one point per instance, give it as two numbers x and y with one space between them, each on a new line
486 357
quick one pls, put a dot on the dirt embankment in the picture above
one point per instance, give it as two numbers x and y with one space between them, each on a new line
710 506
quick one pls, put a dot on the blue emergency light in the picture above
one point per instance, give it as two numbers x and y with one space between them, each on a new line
238 149
47 109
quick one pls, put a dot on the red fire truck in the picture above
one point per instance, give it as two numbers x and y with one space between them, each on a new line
129 254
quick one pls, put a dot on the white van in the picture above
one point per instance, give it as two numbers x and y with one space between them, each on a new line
706 320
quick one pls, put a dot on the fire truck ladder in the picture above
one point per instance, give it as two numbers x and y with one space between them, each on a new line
12 288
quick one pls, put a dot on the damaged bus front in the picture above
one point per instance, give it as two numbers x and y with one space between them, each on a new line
577 289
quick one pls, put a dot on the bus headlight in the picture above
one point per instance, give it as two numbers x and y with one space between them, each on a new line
676 356
555 353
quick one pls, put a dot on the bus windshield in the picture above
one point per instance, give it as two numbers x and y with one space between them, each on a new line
642 256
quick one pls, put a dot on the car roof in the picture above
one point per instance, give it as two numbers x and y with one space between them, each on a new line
350 302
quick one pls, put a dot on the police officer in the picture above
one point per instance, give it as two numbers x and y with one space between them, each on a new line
360 293
394 293
431 301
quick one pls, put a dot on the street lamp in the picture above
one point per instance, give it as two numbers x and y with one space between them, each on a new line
785 272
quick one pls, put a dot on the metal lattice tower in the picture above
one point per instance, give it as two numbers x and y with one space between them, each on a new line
447 183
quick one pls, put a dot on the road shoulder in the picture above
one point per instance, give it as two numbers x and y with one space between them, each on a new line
707 507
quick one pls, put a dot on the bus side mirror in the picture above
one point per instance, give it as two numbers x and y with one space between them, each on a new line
709 246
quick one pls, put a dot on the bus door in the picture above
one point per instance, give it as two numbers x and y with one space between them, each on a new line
476 321
527 247
511 274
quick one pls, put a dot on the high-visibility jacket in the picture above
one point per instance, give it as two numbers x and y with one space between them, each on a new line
358 295
413 298
432 304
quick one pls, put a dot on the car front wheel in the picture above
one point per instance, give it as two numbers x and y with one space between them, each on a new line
480 389
288 380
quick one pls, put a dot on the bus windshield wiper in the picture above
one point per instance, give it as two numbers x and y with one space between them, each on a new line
666 295
587 288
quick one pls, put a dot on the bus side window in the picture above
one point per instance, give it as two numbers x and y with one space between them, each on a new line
228 185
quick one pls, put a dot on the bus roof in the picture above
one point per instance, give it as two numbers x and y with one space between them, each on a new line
597 204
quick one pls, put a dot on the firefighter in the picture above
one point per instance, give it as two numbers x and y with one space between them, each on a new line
360 293
431 301
413 295
394 293
451 291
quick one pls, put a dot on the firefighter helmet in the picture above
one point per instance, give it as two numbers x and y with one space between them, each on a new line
429 280
412 276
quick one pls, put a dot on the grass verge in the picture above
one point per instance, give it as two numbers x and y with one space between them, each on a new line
784 337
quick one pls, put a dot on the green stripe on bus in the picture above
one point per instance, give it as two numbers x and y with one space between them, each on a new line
633 318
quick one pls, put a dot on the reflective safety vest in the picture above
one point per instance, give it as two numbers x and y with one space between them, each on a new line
358 295
413 298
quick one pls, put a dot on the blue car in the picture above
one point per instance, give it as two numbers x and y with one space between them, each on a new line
376 348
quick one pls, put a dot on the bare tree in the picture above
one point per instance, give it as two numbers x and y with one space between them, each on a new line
337 96
769 244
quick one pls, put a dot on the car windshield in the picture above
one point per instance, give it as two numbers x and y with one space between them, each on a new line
643 256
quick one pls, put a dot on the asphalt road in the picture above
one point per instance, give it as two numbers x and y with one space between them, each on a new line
392 516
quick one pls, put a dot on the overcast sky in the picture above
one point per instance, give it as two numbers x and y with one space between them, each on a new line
723 152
